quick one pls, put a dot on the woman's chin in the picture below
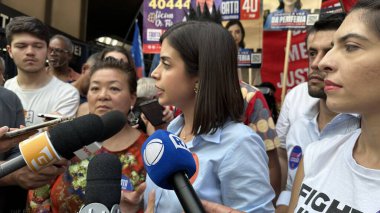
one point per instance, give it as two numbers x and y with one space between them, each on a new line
101 112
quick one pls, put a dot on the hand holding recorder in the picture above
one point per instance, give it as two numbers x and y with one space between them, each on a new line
33 128
10 137
7 143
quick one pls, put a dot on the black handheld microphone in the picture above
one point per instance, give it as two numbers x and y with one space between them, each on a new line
62 140
170 164
113 122
103 189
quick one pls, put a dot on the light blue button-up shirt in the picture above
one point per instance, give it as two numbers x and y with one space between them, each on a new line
232 170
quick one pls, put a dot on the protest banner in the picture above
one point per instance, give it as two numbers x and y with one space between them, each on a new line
281 16
274 46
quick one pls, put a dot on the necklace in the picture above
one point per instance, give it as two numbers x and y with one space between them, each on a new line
184 137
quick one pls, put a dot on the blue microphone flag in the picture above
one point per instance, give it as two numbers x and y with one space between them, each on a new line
165 154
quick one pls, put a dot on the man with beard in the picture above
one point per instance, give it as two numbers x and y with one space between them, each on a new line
59 56
318 122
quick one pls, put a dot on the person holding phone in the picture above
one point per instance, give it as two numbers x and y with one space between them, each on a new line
152 115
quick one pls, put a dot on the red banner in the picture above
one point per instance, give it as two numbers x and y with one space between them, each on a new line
347 4
330 3
274 44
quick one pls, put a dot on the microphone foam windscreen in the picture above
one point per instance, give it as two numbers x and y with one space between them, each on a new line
103 180
164 155
113 122
70 136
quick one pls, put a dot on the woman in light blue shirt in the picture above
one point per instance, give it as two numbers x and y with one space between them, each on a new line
197 73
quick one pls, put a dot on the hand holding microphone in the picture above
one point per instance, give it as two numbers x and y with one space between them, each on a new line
29 179
212 207
131 200
63 139
170 164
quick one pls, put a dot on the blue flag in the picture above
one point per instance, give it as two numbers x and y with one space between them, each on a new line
137 53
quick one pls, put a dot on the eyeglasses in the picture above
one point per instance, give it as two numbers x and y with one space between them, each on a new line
57 50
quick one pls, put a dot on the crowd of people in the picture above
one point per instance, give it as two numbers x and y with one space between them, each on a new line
320 155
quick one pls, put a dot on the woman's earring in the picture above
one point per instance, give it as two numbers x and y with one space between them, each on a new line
196 88
132 118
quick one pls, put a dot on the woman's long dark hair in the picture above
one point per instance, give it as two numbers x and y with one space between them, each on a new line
209 52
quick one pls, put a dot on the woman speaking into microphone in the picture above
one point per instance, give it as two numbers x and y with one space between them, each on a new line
197 74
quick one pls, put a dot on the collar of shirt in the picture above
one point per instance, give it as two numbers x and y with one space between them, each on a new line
312 111
176 125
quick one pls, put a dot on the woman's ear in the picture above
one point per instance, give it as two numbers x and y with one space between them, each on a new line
133 99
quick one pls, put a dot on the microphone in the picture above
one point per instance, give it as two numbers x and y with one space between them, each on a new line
113 122
170 164
62 140
103 189
110 129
